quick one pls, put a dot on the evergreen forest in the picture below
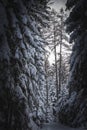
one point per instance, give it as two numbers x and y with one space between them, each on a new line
43 65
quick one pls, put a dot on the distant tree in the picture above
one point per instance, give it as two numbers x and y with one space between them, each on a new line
57 40
50 89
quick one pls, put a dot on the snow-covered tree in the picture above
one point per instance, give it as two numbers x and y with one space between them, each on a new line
75 109
57 40
21 63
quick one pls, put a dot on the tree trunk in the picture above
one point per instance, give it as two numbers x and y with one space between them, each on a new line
56 67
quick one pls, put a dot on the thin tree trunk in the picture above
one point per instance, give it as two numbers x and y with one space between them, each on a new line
56 67
60 63
46 88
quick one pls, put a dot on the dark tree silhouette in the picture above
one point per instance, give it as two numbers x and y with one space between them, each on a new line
75 111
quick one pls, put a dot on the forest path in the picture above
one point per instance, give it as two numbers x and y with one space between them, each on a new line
55 126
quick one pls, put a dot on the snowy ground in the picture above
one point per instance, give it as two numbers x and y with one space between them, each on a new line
54 126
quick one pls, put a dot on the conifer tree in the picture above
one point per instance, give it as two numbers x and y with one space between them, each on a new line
75 110
21 63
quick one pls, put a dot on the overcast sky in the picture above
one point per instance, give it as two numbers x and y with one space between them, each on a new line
58 4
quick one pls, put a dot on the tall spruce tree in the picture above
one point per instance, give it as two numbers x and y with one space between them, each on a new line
75 110
21 62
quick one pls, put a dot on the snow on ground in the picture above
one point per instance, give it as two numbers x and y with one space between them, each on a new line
55 126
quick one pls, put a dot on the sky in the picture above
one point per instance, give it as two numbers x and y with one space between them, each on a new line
58 4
